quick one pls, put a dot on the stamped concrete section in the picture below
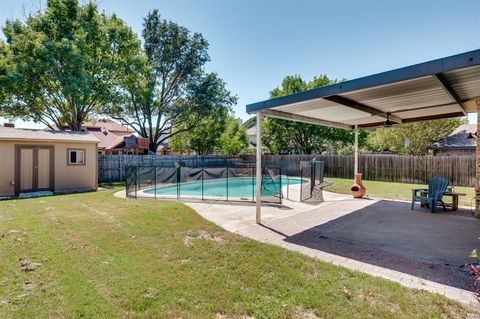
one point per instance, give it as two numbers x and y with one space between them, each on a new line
382 238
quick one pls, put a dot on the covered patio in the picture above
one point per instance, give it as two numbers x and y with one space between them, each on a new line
442 88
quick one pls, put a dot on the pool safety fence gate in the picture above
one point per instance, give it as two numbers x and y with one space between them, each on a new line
234 181
311 173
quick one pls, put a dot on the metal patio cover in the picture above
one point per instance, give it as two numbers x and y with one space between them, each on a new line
441 88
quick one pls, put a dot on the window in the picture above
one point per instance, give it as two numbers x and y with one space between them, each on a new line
76 157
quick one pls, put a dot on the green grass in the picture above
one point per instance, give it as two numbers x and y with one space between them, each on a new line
394 190
104 257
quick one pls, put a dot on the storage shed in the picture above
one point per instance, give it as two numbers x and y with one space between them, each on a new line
41 160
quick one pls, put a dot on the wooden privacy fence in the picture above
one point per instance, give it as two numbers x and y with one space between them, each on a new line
460 170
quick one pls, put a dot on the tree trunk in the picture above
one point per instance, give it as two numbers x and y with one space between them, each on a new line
152 147
75 126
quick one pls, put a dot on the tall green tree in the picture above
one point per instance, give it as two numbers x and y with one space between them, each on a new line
411 138
282 136
202 139
60 65
234 140
168 91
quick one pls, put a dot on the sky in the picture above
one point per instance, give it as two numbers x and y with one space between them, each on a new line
255 44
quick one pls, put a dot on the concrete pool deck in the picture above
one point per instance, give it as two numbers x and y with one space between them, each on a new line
236 217
379 237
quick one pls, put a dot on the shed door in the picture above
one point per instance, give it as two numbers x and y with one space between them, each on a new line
34 168
26 169
44 167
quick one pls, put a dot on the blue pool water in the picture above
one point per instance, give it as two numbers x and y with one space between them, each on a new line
240 187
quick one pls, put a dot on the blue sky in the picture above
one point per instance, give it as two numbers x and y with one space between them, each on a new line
254 44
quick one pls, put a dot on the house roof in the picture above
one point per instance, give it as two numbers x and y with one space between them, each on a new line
106 124
458 139
16 134
442 88
108 139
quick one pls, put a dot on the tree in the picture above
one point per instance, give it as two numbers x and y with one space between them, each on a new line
234 140
251 122
168 91
283 136
412 138
60 66
203 139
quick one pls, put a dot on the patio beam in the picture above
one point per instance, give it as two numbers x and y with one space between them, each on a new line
361 107
304 119
258 166
443 82
418 119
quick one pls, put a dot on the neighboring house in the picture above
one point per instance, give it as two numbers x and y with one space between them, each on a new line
46 160
461 142
115 138
104 124
164 147
252 137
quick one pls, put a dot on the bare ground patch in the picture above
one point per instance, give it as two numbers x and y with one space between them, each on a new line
219 315
190 236
15 235
300 313
26 264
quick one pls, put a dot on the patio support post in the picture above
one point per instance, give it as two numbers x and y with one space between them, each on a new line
477 185
258 165
356 150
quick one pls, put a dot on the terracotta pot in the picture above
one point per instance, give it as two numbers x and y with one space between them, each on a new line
357 189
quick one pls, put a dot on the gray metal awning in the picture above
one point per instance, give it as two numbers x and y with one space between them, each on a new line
442 88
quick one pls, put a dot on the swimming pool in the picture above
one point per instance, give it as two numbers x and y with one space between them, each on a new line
242 188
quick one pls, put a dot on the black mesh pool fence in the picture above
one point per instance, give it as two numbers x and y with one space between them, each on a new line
232 181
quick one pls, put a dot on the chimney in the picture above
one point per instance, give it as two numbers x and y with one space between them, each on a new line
9 124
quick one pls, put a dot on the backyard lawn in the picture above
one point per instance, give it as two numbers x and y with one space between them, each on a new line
96 256
390 190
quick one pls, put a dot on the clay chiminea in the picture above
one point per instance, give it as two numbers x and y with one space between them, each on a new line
357 189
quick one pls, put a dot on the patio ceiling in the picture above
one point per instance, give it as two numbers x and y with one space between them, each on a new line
443 88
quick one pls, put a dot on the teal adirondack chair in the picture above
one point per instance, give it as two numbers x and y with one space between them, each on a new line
437 186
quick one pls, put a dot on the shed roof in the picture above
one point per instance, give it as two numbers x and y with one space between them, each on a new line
459 138
17 134
441 88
